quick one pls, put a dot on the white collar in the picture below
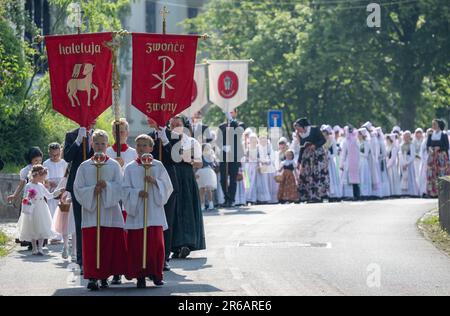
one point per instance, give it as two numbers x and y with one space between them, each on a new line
307 133
436 135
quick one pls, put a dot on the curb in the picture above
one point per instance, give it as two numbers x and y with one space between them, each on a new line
425 234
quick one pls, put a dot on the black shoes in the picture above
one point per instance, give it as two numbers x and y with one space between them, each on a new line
117 280
104 284
158 282
184 252
166 266
228 204
141 283
93 285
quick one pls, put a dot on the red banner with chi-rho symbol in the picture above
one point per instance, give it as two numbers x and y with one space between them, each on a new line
163 74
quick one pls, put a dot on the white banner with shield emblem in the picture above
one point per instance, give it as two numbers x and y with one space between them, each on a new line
228 83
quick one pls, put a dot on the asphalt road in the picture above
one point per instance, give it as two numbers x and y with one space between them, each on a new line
363 248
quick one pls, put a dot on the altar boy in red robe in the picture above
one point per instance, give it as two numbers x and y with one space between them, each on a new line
159 190
112 236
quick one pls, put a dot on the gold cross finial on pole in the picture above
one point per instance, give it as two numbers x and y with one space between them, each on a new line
164 13
228 48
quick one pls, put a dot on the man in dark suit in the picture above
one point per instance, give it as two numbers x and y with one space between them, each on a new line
163 141
230 144
73 154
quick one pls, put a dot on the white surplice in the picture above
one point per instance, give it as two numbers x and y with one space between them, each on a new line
84 185
159 194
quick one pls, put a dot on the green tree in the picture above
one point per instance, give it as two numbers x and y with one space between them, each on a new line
26 115
321 60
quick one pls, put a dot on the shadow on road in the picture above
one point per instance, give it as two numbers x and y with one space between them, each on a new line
190 264
235 211
176 284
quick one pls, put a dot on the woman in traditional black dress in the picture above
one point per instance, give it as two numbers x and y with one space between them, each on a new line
188 228
314 180
438 160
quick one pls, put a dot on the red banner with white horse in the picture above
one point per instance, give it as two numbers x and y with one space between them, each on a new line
80 68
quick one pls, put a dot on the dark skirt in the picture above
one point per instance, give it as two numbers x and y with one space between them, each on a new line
314 180
188 228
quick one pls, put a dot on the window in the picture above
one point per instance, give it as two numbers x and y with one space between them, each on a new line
150 17
38 11
192 12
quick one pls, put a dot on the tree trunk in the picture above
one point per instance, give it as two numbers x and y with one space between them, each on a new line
410 98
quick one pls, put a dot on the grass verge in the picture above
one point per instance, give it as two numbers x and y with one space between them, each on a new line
430 227
4 240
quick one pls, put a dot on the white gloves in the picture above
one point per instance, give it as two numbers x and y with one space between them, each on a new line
228 115
226 148
163 136
81 134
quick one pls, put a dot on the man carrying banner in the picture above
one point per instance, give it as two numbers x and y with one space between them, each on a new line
127 155
73 154
228 88
232 153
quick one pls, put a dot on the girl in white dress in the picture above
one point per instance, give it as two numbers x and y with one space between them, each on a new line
349 165
335 182
206 177
364 167
56 167
257 190
417 142
280 154
422 178
392 165
407 170
385 190
267 168
35 222
64 222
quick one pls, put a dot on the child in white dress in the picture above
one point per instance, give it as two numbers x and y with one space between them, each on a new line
206 177
407 171
35 222
64 222
56 168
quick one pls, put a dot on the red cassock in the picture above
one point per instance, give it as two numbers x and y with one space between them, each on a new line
113 251
155 253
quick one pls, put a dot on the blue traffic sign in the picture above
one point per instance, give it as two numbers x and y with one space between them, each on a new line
275 118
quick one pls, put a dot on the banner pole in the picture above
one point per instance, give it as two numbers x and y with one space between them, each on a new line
114 46
228 48
164 12
116 89
78 26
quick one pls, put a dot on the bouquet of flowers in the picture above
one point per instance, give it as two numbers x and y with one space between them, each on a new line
27 201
